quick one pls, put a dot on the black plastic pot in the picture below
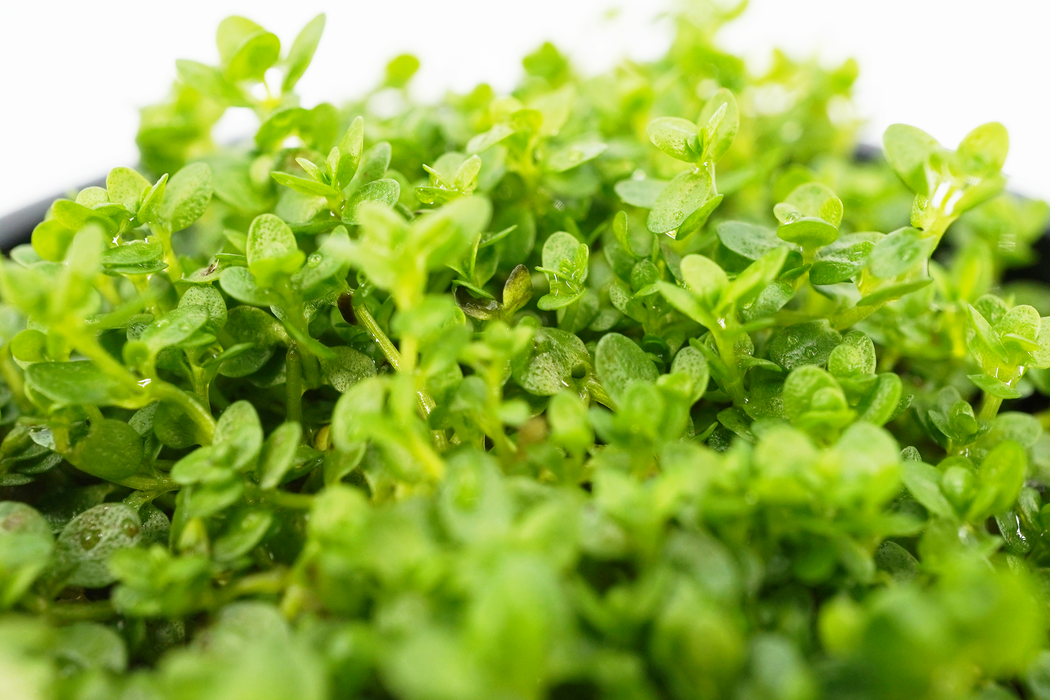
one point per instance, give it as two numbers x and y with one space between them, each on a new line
17 227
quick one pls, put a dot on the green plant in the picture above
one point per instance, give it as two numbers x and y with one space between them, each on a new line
610 387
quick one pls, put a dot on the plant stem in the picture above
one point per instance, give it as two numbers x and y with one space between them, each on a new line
294 385
189 404
598 392
13 378
315 226
174 266
568 319
369 323
394 357
95 611
735 384
409 352
200 383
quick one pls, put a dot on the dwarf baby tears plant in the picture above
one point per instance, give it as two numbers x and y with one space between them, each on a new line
635 386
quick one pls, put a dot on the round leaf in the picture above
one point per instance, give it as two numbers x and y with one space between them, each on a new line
619 363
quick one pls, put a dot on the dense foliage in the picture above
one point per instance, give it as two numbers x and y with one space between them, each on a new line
639 385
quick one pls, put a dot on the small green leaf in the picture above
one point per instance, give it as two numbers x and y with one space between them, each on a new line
247 50
305 186
240 284
675 137
812 199
126 187
302 52
640 192
517 290
686 193
243 532
923 481
400 69
755 278
565 264
239 430
346 367
209 81
856 355
26 547
573 155
135 258
51 239
1000 476
994 387
186 196
808 232
272 250
842 260
982 152
899 252
809 343
719 122
385 191
88 540
78 383
703 276
177 328
547 368
908 149
619 363
278 454
880 405
748 240
112 451
490 138
691 362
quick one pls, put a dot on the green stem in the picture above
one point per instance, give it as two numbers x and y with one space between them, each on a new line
315 226
568 319
294 386
141 284
93 611
189 404
84 342
409 352
201 383
397 361
390 352
369 323
735 384
283 499
989 406
267 582
296 321
504 447
430 460
597 391
13 378
104 285
156 483
174 266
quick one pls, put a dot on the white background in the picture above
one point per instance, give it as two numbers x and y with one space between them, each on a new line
73 74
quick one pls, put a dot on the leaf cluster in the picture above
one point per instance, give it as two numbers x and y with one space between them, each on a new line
634 385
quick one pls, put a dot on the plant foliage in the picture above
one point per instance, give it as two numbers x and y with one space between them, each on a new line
637 385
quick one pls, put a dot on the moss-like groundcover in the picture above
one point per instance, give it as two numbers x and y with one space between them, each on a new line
637 385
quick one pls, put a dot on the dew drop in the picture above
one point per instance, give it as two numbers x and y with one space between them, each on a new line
89 537
130 528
